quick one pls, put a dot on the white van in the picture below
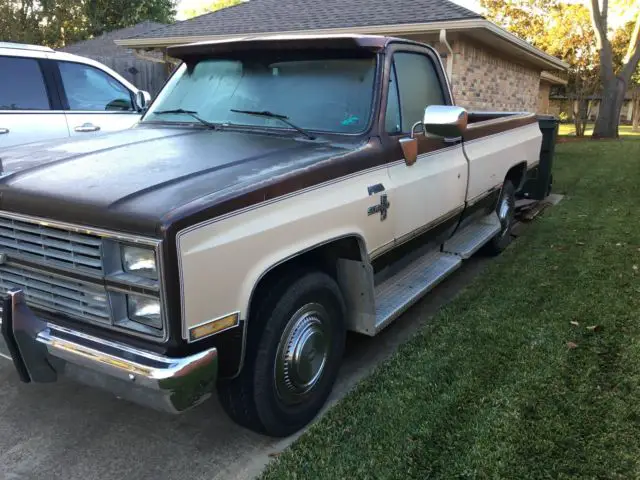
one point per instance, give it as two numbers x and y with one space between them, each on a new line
45 95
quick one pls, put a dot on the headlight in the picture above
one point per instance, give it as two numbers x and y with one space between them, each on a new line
139 261
144 310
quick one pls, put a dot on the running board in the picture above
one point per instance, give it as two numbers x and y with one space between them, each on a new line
471 238
396 294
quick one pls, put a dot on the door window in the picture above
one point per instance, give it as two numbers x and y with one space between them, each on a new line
392 121
418 86
90 89
22 85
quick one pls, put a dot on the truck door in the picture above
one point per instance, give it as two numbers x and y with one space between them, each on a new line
429 195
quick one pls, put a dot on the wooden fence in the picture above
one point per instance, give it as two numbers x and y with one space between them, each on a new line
145 75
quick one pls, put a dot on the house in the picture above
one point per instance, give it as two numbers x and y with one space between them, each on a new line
489 68
561 104
547 83
144 74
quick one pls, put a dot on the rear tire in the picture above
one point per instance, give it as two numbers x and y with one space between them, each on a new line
506 212
294 349
549 186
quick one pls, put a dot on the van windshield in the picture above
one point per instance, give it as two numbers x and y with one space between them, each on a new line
326 94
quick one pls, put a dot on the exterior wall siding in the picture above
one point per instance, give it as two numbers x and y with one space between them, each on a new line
483 80
543 98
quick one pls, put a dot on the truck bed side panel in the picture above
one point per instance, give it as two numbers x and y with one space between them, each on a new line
491 155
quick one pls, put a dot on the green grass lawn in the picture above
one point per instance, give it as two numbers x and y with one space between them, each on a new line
509 381
569 129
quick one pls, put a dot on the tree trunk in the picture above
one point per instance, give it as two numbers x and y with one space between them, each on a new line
577 123
610 107
580 116
636 113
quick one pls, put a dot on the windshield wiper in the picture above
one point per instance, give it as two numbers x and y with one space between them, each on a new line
282 118
191 113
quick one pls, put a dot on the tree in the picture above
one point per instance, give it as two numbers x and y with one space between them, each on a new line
57 23
106 15
19 21
563 30
614 84
212 7
636 109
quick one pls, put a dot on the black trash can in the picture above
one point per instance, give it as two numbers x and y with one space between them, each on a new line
540 179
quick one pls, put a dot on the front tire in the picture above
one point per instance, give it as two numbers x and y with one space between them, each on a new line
506 212
294 350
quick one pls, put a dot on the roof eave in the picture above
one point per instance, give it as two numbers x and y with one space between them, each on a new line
549 61
552 79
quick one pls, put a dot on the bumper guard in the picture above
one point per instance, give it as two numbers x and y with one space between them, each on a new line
42 351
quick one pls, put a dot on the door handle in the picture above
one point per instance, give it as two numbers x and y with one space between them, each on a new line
4 131
87 127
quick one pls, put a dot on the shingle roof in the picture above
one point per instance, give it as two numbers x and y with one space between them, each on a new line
104 46
265 16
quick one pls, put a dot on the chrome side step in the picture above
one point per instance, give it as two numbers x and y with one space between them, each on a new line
471 238
396 294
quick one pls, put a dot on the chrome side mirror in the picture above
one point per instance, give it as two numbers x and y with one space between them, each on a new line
445 120
143 99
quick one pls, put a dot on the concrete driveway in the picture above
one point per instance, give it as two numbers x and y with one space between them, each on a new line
66 431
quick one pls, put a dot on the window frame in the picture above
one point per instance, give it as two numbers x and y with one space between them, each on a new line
49 87
65 101
389 65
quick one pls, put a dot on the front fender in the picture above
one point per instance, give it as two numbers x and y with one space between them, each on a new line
222 260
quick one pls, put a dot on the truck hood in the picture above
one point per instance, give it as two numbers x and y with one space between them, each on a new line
132 180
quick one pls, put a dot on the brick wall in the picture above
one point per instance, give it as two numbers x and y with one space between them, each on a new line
543 98
483 80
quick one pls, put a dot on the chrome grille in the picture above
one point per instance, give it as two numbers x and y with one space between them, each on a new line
50 246
55 294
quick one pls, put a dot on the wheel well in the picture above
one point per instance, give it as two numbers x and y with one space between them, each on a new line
517 175
322 257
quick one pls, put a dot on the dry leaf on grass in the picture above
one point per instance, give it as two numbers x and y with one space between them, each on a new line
571 345
580 243
574 323
594 328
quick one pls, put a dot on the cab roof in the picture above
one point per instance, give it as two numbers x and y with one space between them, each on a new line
372 43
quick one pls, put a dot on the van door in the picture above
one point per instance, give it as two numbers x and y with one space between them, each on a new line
94 101
26 113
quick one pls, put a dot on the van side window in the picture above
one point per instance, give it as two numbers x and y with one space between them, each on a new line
22 85
90 89
419 86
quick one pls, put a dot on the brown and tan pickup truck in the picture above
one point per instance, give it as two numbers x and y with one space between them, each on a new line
278 193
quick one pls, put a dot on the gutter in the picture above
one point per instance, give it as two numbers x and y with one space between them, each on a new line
443 40
550 78
402 29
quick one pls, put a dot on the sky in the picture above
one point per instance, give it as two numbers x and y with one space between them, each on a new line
184 5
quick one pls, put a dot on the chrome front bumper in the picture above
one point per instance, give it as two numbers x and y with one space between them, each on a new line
42 351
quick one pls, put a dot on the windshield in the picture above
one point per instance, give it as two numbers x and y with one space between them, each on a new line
321 94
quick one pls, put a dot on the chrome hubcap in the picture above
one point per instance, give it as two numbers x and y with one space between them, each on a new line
302 353
505 214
